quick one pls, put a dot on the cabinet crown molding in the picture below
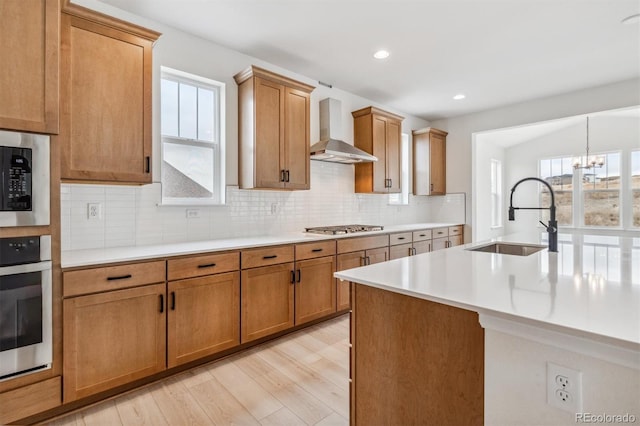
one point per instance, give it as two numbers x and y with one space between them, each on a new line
376 111
430 130
254 71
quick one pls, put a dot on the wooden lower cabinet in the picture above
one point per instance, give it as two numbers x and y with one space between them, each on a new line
113 338
315 292
28 400
354 260
420 247
402 250
437 379
203 317
266 301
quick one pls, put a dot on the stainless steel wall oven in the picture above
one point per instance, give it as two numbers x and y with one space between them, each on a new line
25 305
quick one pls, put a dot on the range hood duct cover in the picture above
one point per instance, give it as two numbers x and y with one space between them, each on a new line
331 148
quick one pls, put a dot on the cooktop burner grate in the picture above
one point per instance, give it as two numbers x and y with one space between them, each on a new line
343 229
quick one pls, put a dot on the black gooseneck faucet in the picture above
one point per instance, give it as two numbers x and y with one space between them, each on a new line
552 227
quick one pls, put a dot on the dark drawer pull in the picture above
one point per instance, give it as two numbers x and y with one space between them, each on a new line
207 265
401 238
161 303
120 277
423 235
318 250
273 256
173 300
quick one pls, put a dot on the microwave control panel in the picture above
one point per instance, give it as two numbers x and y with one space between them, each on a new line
15 194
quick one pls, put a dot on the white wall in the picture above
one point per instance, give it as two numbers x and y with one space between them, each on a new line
461 129
484 152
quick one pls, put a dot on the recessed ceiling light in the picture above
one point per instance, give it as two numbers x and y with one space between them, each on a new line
459 96
381 54
633 19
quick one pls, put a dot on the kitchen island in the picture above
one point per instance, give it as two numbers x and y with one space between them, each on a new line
465 337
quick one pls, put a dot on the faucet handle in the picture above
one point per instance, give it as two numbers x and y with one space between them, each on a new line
545 226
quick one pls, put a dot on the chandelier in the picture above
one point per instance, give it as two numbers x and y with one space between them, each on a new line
592 162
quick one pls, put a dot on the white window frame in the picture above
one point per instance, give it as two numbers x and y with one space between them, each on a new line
631 190
402 198
218 145
496 183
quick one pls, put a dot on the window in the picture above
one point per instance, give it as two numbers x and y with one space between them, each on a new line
192 127
558 172
402 198
601 192
496 193
635 188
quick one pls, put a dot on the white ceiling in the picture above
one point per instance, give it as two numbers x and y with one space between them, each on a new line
497 52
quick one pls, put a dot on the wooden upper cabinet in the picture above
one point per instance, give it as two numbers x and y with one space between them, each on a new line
378 133
29 50
429 162
105 126
273 130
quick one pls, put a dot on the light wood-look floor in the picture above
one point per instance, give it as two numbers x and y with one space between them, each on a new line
299 379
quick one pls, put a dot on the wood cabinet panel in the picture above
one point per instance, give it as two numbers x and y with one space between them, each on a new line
440 232
273 130
203 317
105 126
343 262
315 249
345 245
113 338
29 51
455 240
400 238
266 301
265 256
377 255
315 291
420 247
455 230
379 133
197 266
107 278
29 400
439 243
429 162
402 250
422 235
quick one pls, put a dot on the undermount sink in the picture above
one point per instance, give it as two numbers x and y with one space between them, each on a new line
509 248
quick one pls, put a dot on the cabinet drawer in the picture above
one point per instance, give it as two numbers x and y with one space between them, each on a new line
440 232
362 243
400 238
422 235
197 266
94 280
266 256
455 230
315 249
29 400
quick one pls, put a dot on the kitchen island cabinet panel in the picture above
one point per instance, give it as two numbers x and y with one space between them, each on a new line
315 291
113 338
204 317
267 300
29 50
357 259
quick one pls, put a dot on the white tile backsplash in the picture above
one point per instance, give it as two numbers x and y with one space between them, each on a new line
131 215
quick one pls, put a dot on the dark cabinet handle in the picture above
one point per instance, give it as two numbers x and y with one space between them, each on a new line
273 256
368 260
410 251
401 238
423 235
147 167
286 174
161 303
390 183
120 277
207 265
299 275
293 277
318 250
173 300
431 187
363 261
415 251
281 175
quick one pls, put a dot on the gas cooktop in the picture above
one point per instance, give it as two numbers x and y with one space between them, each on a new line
344 229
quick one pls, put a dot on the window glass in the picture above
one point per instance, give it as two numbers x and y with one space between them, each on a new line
601 188
169 107
496 193
558 172
635 188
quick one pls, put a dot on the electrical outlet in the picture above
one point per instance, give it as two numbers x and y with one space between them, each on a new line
564 388
275 208
193 213
93 211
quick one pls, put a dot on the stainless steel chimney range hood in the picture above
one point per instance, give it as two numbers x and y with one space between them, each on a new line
331 148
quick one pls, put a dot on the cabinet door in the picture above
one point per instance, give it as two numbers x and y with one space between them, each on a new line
267 301
204 316
437 160
402 250
315 288
378 255
113 338
455 240
379 136
440 243
269 152
105 122
296 138
29 46
347 261
422 246
394 165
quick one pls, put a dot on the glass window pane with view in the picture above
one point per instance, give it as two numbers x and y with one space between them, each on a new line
558 172
601 191
635 188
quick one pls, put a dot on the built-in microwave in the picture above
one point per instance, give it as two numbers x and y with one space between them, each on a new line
24 179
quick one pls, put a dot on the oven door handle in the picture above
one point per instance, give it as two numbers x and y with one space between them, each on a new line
25 268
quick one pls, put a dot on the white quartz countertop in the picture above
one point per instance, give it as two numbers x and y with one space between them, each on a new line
590 288
89 257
